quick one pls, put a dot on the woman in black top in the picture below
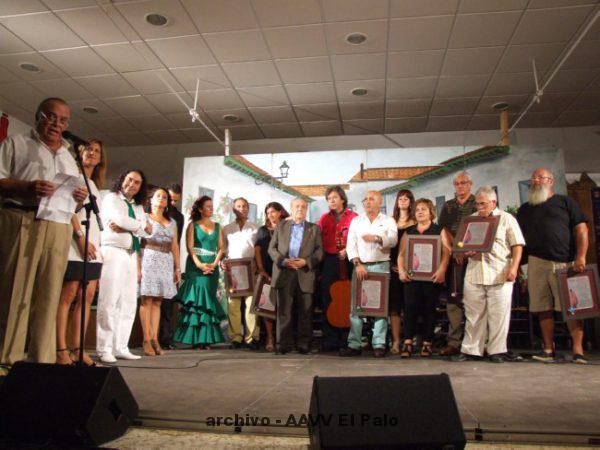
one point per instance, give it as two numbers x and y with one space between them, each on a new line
420 297
404 217
274 214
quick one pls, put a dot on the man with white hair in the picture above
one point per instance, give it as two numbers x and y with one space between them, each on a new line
454 210
489 284
296 250
556 235
370 239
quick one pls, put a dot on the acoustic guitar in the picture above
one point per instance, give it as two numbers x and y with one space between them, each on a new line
338 312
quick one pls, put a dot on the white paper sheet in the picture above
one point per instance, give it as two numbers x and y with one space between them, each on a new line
239 278
370 295
580 292
265 302
422 260
60 207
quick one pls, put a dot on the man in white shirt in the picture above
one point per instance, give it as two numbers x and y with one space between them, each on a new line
240 236
33 252
489 283
124 223
370 238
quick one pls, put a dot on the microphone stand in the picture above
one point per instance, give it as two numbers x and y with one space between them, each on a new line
92 205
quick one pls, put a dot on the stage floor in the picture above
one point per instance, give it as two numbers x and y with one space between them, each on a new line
519 402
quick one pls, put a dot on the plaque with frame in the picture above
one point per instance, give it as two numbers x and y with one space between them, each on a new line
579 293
264 300
370 297
423 256
239 277
475 234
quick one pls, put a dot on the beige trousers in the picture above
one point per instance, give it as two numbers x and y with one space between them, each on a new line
33 259
234 315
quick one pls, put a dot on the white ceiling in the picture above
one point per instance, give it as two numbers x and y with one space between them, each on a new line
284 67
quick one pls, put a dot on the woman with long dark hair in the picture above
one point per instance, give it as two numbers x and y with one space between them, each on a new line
274 214
94 164
199 323
160 268
404 216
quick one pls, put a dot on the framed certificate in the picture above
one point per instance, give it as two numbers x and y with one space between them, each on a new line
239 277
264 301
475 234
423 256
370 296
579 293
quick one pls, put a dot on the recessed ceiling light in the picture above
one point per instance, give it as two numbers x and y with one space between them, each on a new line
356 38
90 110
501 106
29 67
156 19
359 92
231 118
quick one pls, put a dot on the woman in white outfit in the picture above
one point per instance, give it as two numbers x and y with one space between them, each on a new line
124 224
94 164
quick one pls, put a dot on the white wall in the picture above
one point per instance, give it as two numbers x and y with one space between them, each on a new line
15 126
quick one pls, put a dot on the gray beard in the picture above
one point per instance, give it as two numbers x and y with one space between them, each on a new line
539 195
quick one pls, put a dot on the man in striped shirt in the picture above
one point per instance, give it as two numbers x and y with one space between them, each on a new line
489 283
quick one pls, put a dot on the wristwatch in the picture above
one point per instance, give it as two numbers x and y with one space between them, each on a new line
356 262
79 233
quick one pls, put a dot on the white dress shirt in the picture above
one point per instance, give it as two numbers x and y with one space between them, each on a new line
115 210
370 252
25 157
240 243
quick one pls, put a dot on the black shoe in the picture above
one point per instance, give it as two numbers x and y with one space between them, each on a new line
167 346
303 350
463 357
281 350
235 345
544 356
379 352
579 359
498 358
348 351
254 345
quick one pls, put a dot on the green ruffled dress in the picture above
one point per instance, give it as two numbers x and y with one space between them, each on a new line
199 322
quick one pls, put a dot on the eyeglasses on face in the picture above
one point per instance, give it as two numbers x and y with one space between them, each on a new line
540 178
51 117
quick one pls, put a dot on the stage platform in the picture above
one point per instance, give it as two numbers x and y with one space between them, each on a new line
518 401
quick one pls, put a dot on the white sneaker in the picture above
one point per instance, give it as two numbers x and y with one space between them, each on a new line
107 358
127 355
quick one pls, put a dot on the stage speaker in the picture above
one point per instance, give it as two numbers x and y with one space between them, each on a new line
68 405
404 412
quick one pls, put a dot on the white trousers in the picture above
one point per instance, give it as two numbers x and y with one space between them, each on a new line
487 313
117 300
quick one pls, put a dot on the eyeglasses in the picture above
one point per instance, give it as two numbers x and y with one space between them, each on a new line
540 178
483 203
461 183
51 117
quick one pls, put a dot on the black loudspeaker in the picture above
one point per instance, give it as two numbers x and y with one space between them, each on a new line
405 412
69 405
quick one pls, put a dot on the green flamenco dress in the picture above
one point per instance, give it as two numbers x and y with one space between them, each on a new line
199 322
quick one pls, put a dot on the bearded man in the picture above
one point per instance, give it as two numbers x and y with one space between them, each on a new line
556 237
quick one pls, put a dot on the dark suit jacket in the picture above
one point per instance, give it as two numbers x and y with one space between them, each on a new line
311 249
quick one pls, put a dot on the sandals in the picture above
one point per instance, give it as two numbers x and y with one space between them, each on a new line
270 347
407 350
158 351
395 348
61 350
149 348
75 358
426 351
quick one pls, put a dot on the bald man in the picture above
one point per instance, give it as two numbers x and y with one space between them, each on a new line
556 237
370 239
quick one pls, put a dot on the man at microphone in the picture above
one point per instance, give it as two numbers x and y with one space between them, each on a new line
33 252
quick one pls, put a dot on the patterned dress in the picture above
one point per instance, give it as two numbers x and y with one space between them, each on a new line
157 266
199 322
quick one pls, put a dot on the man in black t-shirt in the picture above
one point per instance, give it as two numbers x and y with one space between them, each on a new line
556 236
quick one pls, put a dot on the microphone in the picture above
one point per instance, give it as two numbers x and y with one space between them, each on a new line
76 140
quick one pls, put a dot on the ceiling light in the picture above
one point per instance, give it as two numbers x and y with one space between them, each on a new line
156 19
359 92
356 38
231 118
501 106
90 110
29 67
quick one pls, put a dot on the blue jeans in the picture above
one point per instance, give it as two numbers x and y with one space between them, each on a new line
356 323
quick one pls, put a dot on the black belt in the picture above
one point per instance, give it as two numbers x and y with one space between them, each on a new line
11 205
